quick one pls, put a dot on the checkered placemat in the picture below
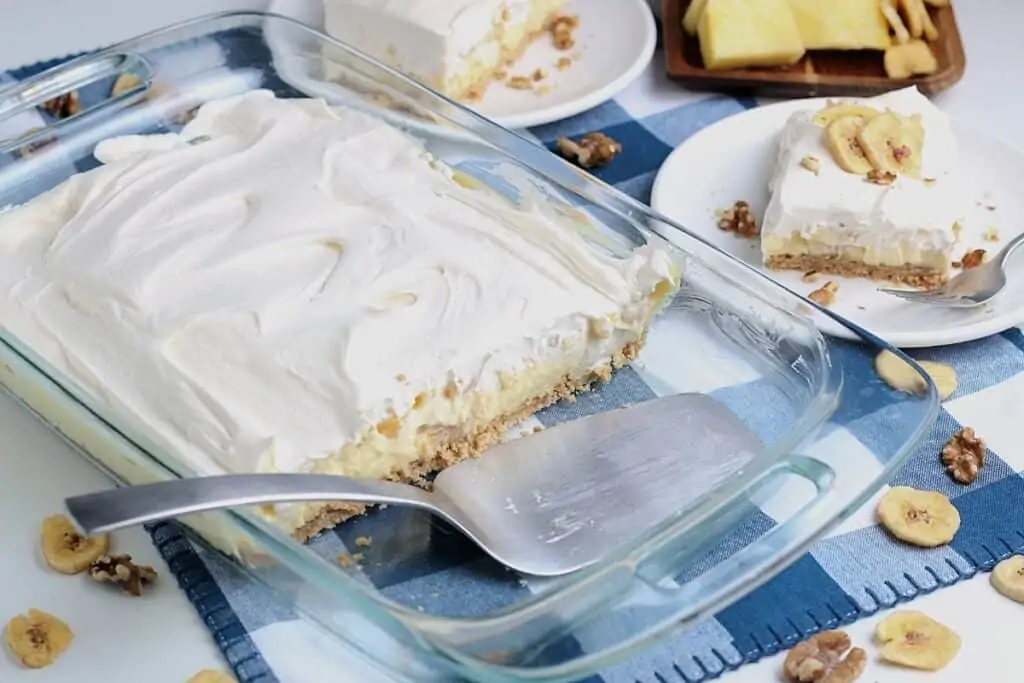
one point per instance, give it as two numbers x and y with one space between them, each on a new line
852 573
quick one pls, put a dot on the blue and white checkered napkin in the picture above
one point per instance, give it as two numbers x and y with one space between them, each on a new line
852 573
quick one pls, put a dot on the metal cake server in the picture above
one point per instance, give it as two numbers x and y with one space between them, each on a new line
968 289
544 504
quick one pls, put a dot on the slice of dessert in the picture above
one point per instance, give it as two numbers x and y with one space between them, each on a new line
866 188
456 47
290 287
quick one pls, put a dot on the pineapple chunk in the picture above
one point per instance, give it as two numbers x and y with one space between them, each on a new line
841 24
693 14
745 33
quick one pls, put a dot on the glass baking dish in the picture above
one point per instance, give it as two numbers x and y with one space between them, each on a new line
731 333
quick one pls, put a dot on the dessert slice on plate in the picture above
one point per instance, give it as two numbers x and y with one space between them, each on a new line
457 47
284 286
866 188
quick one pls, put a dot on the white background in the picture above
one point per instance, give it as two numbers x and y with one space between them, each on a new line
159 638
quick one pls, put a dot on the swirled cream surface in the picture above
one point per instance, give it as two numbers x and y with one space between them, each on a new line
264 287
831 211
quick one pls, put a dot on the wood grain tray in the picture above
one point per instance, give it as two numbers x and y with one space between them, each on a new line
820 73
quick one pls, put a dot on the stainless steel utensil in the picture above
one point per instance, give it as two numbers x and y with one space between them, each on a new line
968 289
544 504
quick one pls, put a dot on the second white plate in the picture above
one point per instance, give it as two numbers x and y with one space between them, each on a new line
731 160
615 41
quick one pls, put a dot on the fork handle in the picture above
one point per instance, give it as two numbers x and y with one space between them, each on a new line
1008 250
105 511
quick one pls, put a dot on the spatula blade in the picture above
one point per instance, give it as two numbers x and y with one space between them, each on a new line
576 490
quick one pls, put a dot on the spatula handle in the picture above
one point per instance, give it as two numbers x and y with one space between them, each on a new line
128 506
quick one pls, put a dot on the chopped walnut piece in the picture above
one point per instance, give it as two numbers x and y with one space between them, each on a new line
880 177
62 106
563 63
538 74
826 657
972 259
120 569
520 83
824 295
500 74
363 541
593 149
964 455
562 29
738 220
345 560
811 164
991 234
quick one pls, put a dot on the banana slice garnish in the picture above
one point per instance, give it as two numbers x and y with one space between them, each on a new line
915 640
922 518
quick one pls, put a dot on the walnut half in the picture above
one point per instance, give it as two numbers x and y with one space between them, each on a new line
120 569
62 106
964 455
593 149
826 657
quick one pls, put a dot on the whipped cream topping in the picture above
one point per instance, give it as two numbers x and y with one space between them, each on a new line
268 284
910 221
426 38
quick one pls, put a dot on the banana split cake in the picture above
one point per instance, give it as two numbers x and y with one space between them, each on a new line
457 47
286 286
866 188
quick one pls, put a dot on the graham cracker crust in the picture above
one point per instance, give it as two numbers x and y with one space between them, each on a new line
473 444
913 276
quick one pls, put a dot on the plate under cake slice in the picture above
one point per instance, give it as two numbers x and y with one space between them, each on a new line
456 47
285 286
866 188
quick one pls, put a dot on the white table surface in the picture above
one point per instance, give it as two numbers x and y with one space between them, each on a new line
158 638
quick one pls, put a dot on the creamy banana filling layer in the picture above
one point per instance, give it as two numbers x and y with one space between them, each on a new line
455 46
874 181
286 286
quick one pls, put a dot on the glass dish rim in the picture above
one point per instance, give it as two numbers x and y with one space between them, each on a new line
266 533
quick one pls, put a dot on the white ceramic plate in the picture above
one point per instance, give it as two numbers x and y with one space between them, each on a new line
614 43
731 160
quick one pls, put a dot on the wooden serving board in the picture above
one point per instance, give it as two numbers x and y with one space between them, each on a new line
820 73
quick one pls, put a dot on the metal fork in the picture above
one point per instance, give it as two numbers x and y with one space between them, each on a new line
968 289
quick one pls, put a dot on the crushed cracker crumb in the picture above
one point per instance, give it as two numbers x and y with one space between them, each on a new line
520 83
824 295
562 30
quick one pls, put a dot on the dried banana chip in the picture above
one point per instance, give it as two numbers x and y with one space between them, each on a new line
916 640
922 518
67 551
37 639
212 676
843 145
900 375
893 143
1008 578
